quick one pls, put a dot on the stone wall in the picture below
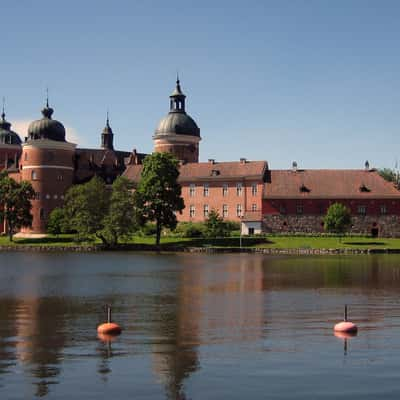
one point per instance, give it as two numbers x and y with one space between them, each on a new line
386 225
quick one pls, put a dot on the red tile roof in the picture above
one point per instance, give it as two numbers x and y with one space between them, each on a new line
328 183
210 171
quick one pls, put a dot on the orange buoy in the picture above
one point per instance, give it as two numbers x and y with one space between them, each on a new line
345 326
109 328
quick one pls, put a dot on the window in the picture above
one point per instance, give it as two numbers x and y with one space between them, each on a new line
205 190
225 211
192 190
37 196
251 231
383 209
41 214
239 212
33 175
225 189
254 207
282 209
26 156
60 178
192 211
362 210
299 209
254 189
239 189
205 210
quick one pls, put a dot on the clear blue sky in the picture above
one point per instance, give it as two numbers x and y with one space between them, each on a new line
311 81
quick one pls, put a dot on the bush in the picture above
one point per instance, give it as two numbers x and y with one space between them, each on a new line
190 229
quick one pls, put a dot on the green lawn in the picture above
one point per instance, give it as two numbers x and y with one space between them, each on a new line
280 242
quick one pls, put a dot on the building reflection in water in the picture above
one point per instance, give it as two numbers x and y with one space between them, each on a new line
210 305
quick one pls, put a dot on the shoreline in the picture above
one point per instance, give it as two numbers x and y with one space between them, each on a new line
189 249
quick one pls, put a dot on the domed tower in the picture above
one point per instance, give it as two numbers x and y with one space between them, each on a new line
177 133
47 161
10 144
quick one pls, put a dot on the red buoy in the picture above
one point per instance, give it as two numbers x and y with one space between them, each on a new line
109 328
345 326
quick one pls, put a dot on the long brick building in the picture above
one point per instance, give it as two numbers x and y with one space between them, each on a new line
263 200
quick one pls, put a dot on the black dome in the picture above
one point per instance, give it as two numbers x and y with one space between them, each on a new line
7 136
178 124
46 128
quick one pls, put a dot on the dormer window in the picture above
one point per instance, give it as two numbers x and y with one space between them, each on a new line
214 172
364 189
304 188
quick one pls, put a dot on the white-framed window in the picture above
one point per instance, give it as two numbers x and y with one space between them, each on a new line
192 211
254 207
239 210
33 175
225 189
383 209
206 188
37 196
205 210
254 189
192 190
225 210
362 210
60 177
239 189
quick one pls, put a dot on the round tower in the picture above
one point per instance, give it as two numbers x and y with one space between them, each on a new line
177 132
47 162
10 144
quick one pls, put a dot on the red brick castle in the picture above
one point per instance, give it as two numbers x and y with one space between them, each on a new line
264 200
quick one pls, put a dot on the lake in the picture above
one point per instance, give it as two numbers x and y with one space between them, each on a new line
198 326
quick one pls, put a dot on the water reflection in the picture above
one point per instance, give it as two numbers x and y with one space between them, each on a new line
180 311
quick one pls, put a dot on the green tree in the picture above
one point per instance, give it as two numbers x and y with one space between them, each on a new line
15 204
120 222
158 195
215 225
57 222
390 175
337 219
86 207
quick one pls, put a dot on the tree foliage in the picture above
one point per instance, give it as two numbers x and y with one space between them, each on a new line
158 195
215 225
390 175
15 204
57 222
120 222
337 219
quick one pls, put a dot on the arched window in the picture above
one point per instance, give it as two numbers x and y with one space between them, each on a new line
33 175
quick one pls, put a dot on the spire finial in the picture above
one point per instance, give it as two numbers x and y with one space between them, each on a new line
3 114
177 77
108 119
47 97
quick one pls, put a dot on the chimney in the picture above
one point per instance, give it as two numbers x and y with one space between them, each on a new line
294 166
243 161
211 160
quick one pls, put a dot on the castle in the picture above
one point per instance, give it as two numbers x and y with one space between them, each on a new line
263 200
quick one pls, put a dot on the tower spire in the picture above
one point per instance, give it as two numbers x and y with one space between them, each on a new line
47 97
3 114
177 98
107 136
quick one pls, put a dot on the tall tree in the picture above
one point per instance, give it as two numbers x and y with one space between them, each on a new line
86 207
337 219
390 175
120 222
15 204
158 195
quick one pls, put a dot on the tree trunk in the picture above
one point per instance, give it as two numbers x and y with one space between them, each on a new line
158 232
10 233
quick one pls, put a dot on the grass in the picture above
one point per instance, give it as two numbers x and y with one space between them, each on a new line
279 242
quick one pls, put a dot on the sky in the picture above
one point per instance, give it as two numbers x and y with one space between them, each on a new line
315 82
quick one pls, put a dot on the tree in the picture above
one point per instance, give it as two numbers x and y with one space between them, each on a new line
390 175
120 222
158 194
337 219
57 222
215 225
15 204
86 207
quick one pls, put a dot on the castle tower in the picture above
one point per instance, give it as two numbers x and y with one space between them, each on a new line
47 162
177 132
107 136
10 144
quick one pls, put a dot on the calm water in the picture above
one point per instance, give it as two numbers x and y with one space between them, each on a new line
198 326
